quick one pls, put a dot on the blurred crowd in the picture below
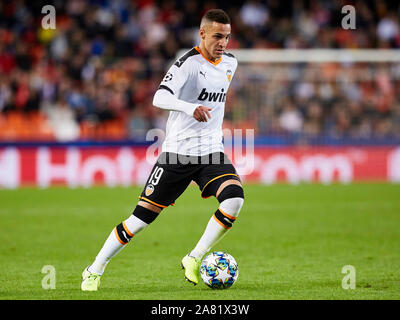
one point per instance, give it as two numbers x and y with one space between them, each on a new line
94 76
335 100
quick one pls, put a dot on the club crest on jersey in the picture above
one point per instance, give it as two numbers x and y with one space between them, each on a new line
229 75
212 96
149 190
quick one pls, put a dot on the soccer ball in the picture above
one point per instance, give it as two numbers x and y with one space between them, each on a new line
219 270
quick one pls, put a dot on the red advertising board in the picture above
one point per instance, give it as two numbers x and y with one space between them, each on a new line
125 166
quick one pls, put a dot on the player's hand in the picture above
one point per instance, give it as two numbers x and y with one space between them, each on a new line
202 114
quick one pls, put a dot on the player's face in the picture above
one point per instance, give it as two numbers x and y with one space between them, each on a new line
215 37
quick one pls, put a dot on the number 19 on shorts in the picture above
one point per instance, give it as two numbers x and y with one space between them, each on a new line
156 175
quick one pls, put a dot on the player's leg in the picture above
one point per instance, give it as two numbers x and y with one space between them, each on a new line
230 197
144 214
219 180
165 184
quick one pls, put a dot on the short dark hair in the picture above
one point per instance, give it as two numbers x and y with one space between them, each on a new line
217 15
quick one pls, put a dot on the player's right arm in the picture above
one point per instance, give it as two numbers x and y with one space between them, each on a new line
165 100
165 97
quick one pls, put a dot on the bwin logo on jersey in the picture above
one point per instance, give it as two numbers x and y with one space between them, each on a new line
212 96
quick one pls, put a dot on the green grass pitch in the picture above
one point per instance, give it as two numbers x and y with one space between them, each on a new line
291 242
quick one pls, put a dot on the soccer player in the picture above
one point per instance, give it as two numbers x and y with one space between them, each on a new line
194 90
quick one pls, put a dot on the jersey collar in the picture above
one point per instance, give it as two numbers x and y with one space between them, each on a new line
212 62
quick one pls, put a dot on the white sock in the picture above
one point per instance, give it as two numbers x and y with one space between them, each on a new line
110 248
112 245
214 231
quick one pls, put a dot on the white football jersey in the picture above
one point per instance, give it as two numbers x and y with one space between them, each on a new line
195 79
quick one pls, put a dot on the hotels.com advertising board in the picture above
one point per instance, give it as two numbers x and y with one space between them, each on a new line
125 166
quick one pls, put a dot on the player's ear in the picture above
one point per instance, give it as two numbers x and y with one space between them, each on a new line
202 33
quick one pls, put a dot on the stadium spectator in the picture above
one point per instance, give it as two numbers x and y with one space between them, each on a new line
291 119
62 120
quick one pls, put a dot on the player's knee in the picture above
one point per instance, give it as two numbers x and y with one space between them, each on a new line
228 211
231 191
231 198
140 219
231 201
232 206
145 214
